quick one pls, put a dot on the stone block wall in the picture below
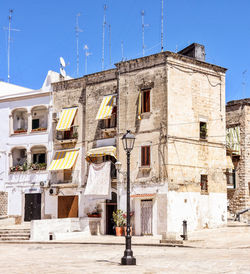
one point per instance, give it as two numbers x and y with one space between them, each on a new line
238 113
3 203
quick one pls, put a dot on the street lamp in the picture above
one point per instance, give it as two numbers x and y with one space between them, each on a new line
128 141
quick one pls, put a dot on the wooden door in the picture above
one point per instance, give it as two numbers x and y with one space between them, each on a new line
32 209
67 206
111 206
146 217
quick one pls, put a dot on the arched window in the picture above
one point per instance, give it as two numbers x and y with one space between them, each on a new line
39 118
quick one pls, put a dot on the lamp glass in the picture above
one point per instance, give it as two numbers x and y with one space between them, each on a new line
128 141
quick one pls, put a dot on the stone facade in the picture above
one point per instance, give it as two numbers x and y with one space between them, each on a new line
3 203
184 92
238 114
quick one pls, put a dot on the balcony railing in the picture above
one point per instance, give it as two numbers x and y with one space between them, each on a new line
72 134
109 123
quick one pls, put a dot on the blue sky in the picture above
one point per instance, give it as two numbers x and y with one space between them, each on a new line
47 31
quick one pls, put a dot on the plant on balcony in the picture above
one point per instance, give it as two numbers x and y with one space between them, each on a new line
20 130
38 166
23 167
39 129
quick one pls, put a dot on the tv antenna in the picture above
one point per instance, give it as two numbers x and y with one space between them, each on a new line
143 29
87 54
122 51
162 25
77 43
244 83
103 34
62 66
9 29
109 45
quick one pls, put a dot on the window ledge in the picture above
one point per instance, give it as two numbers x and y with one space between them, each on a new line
146 115
204 192
145 167
67 141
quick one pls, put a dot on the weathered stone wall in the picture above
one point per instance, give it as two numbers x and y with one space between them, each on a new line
238 113
3 203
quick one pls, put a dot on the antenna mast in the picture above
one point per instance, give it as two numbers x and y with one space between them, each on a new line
109 45
77 43
122 51
87 53
162 25
103 34
9 40
143 28
244 83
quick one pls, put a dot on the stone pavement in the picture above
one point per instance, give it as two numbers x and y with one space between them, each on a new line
87 258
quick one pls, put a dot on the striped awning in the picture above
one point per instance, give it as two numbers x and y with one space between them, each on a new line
229 163
105 110
66 119
233 139
101 151
64 160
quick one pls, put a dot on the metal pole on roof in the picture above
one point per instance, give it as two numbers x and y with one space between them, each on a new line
77 44
161 25
103 34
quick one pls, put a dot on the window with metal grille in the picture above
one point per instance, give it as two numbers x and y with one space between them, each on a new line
231 178
146 101
204 184
145 156
203 130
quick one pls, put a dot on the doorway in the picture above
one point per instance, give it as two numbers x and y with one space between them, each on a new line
32 209
68 206
146 217
111 206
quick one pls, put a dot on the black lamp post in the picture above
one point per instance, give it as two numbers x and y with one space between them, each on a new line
128 141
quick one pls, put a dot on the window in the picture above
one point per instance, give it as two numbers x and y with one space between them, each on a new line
231 178
35 123
146 101
204 185
67 175
39 158
203 130
145 156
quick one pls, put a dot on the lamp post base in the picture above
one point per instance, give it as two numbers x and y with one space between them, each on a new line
128 258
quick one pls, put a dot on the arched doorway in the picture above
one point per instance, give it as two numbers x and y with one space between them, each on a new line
111 206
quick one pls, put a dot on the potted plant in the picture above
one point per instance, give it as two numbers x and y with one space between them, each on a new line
119 221
20 130
125 223
94 214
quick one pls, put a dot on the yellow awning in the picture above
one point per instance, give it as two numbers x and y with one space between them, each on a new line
64 160
105 110
66 119
229 163
101 151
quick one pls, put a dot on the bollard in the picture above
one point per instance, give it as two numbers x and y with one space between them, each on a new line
184 235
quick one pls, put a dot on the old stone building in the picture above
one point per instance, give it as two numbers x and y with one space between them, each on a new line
174 103
238 147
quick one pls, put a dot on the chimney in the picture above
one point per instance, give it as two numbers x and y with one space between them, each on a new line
196 51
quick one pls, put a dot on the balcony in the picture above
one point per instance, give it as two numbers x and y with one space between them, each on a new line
65 137
65 178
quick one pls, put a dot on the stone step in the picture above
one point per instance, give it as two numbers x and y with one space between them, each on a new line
15 235
14 239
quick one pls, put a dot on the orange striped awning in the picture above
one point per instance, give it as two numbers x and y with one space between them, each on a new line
64 160
66 119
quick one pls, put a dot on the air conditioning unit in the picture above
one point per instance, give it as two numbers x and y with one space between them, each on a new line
44 184
53 191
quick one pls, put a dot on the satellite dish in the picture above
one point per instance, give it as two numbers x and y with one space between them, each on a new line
62 62
62 72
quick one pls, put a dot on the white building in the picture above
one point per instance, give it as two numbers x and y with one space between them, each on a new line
25 149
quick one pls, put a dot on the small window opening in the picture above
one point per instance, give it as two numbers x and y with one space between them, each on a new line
146 101
203 130
204 184
145 156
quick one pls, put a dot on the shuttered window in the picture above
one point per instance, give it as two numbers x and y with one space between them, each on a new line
145 156
146 101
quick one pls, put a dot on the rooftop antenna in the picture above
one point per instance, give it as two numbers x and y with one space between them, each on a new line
244 83
9 40
162 25
62 66
87 53
122 50
143 28
77 42
103 34
109 45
